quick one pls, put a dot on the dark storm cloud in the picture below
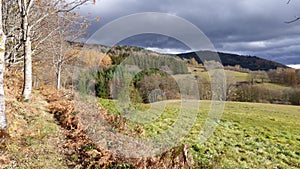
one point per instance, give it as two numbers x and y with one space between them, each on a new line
253 27
151 40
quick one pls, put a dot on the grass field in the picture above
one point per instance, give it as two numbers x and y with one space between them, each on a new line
249 135
237 76
273 86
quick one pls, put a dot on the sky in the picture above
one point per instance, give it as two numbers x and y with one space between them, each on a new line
248 27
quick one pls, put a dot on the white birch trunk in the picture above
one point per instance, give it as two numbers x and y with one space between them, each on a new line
27 88
3 122
58 76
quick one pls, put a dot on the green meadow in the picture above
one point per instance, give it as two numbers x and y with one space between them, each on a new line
248 135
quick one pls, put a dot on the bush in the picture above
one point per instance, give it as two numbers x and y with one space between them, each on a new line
156 87
293 96
251 93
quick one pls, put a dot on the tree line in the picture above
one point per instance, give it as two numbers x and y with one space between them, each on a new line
155 83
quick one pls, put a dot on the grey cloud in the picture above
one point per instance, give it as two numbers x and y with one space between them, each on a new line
253 27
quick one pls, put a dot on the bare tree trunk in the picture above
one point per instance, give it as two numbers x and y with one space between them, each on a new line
3 122
58 76
27 89
27 71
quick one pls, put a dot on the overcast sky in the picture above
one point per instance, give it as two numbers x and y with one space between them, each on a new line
251 27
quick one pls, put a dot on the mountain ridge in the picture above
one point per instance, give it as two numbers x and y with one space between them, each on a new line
228 59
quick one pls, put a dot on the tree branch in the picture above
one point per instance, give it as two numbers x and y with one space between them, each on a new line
294 20
63 10
73 7
45 38
296 17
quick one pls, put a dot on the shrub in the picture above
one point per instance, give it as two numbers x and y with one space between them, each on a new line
293 96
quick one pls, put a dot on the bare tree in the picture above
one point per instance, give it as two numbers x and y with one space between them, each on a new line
230 86
25 8
61 53
59 47
30 19
3 122
11 27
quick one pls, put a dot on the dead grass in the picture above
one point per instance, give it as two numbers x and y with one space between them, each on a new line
84 153
34 137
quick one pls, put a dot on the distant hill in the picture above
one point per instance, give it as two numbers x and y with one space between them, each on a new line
249 62
228 59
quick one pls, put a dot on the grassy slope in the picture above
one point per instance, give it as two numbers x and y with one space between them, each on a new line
273 86
238 76
35 137
249 135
